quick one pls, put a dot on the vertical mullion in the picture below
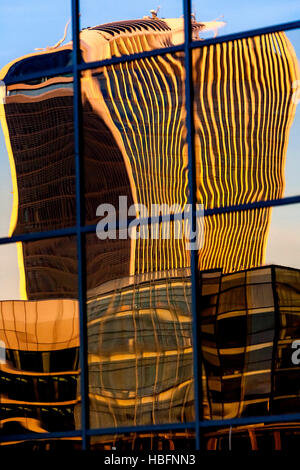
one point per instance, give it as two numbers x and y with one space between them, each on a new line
189 97
79 183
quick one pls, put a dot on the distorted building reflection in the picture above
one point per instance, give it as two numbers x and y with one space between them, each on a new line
140 353
141 366
38 380
249 321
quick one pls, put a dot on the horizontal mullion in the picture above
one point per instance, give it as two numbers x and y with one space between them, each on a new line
246 34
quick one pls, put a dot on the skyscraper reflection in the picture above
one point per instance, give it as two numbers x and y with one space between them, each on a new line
138 291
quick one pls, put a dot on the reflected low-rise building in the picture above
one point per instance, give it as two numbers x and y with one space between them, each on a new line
140 352
140 355
249 321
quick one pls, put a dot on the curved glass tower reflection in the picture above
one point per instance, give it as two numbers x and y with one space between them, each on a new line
138 291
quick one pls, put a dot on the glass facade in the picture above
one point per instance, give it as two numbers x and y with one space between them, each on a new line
140 348
131 336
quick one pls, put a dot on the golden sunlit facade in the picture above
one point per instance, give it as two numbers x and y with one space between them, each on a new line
39 377
138 292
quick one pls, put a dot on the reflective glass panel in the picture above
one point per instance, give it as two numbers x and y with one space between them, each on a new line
139 337
35 28
37 174
263 437
128 28
219 18
39 337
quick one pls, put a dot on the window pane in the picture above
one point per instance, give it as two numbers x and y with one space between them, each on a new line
128 28
139 338
246 119
37 155
39 371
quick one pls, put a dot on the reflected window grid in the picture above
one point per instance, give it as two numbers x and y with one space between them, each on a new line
221 290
